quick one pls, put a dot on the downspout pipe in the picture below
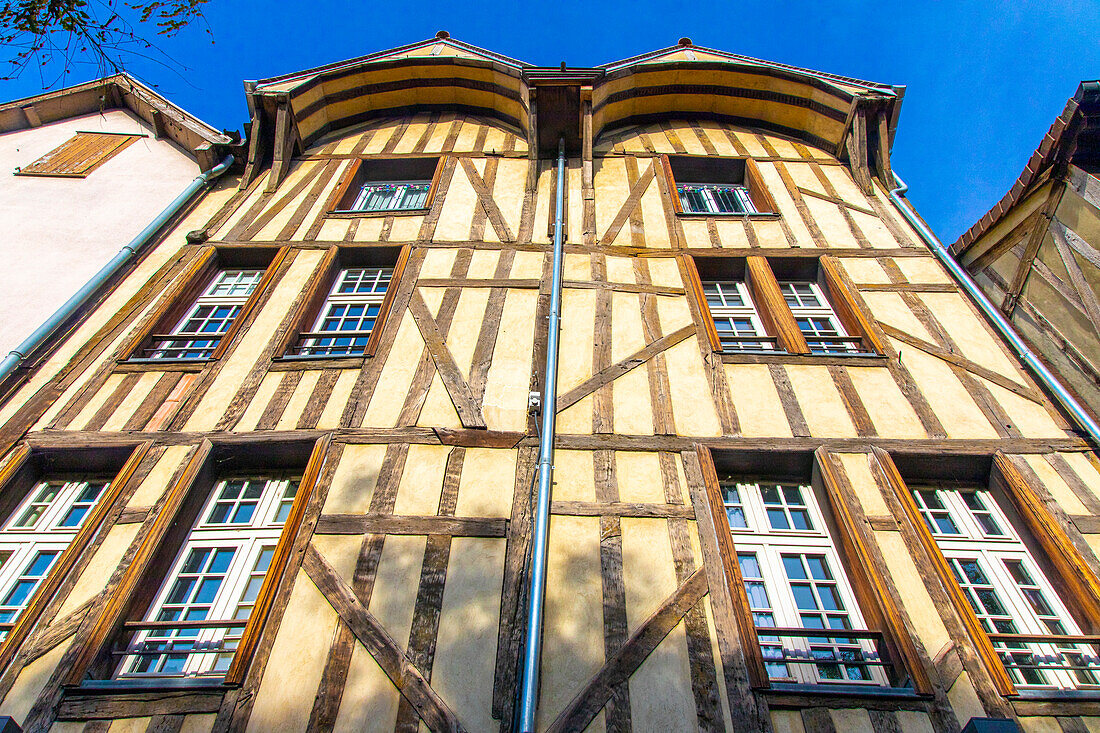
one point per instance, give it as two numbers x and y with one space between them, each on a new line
1044 375
17 355
532 648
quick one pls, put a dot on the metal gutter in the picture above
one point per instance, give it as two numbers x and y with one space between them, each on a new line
89 289
532 647
1044 375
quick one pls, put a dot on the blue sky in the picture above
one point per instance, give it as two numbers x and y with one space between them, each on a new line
984 79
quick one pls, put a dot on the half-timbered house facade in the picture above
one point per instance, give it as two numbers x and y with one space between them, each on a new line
280 477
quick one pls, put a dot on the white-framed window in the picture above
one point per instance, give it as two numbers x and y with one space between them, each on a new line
715 198
35 535
199 614
1005 587
816 320
735 317
349 314
392 196
200 331
794 582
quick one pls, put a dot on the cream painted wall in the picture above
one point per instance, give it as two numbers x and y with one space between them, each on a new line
58 232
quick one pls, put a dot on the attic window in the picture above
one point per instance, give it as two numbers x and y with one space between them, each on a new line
79 155
402 185
715 186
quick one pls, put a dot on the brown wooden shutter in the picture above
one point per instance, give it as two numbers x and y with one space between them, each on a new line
342 186
758 190
866 572
695 290
1076 575
80 155
982 645
772 306
844 304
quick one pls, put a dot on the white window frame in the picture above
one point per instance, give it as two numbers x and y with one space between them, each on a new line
809 309
710 197
770 546
320 342
22 545
721 297
404 196
992 551
207 651
228 288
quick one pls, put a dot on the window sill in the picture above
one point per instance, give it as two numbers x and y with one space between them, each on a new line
760 215
162 365
296 363
1057 702
140 698
786 695
782 357
362 214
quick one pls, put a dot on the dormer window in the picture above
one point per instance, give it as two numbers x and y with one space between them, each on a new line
714 198
392 196
713 186
398 185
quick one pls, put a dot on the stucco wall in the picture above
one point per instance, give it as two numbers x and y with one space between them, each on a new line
57 232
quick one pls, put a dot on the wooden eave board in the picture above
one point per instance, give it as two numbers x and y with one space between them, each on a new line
183 127
773 67
1021 211
786 107
420 49
332 102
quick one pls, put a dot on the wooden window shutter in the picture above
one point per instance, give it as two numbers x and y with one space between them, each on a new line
758 190
666 168
695 290
982 645
844 304
68 559
878 606
746 625
80 155
772 306
265 599
1079 579
342 187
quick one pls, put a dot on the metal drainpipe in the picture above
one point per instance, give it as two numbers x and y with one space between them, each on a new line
1037 367
73 304
532 647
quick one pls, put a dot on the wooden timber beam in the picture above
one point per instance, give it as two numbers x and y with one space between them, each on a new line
487 202
382 647
857 148
461 395
973 367
620 666
1058 232
609 373
32 116
360 524
881 134
255 147
632 201
1030 251
1086 185
286 139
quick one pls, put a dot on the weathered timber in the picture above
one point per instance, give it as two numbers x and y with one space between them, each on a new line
382 524
397 666
598 690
